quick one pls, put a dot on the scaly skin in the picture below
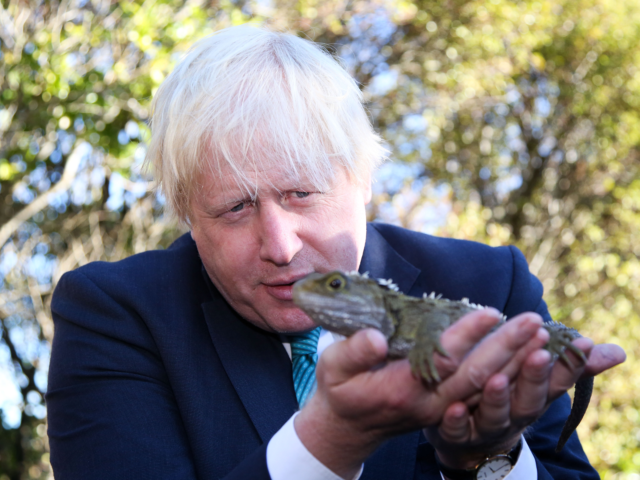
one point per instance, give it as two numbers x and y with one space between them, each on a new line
345 303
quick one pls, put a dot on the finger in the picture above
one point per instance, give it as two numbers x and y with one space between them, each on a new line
490 357
493 414
604 357
455 426
539 340
529 399
565 374
359 353
462 336
512 368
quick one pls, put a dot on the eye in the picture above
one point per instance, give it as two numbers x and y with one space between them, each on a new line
336 282
301 194
237 208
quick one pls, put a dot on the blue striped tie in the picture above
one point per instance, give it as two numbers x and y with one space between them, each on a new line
304 355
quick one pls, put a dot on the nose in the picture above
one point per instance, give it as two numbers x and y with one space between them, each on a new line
279 242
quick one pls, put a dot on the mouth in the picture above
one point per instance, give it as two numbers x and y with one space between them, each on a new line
282 289
284 281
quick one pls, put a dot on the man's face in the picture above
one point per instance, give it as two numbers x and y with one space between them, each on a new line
253 252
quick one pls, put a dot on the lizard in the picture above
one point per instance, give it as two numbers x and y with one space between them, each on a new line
347 302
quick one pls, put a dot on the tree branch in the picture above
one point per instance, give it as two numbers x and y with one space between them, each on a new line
69 174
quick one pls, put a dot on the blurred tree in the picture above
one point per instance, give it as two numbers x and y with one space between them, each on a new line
530 115
513 122
76 79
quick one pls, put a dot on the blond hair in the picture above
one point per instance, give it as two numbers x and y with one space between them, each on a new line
249 99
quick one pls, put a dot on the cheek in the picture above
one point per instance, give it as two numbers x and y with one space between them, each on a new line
215 250
340 233
225 255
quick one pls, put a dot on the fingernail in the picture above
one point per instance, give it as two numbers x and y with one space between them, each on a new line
543 334
533 324
535 318
501 382
542 358
492 312
377 340
458 411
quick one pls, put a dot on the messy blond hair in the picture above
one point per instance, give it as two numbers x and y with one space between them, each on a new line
248 99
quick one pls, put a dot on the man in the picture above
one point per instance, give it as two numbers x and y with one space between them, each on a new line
176 364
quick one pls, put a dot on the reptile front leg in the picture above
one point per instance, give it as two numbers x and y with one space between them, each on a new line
561 338
427 341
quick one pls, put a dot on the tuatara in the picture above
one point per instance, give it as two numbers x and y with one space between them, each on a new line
347 302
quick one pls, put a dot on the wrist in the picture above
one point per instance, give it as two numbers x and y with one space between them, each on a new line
491 467
471 457
332 441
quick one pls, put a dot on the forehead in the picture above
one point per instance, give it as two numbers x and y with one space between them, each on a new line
254 160
227 183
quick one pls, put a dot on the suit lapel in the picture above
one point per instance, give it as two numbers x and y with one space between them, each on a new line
256 363
381 260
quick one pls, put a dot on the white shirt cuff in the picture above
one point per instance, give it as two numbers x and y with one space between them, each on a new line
525 467
288 458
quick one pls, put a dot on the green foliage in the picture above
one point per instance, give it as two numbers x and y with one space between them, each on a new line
511 122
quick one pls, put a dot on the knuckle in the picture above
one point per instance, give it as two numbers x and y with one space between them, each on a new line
513 338
398 401
536 376
527 417
497 399
493 426
445 366
477 376
527 413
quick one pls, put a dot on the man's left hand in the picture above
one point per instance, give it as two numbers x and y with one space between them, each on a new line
511 400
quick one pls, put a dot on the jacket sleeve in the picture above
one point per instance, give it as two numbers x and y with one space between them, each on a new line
542 436
111 409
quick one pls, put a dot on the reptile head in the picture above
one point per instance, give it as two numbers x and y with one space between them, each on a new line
341 302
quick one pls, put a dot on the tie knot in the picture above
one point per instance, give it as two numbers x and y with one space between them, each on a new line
305 343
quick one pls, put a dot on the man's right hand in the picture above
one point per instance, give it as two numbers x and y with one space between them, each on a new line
358 406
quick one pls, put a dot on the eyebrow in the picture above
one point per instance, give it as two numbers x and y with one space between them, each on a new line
218 208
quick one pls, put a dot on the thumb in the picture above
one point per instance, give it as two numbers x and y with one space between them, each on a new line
359 353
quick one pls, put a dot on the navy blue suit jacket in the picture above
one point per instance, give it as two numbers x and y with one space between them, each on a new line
153 375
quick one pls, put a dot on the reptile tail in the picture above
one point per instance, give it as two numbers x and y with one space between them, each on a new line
581 399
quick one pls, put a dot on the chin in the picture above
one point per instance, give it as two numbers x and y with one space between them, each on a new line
292 322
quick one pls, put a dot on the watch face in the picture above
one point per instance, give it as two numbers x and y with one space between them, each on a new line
494 469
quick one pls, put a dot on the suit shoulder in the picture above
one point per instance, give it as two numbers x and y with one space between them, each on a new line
177 268
494 276
427 251
180 258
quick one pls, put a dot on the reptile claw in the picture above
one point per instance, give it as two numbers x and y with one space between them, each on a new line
440 349
565 360
422 365
560 339
579 353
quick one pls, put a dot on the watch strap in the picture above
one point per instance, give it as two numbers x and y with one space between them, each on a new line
471 473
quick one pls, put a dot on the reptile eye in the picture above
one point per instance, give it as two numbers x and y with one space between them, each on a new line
335 282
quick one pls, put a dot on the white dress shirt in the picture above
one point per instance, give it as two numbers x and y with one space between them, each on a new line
288 458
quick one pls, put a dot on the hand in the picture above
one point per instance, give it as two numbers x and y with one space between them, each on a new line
358 406
511 402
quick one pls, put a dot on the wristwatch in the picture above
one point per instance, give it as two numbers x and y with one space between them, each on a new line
491 468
